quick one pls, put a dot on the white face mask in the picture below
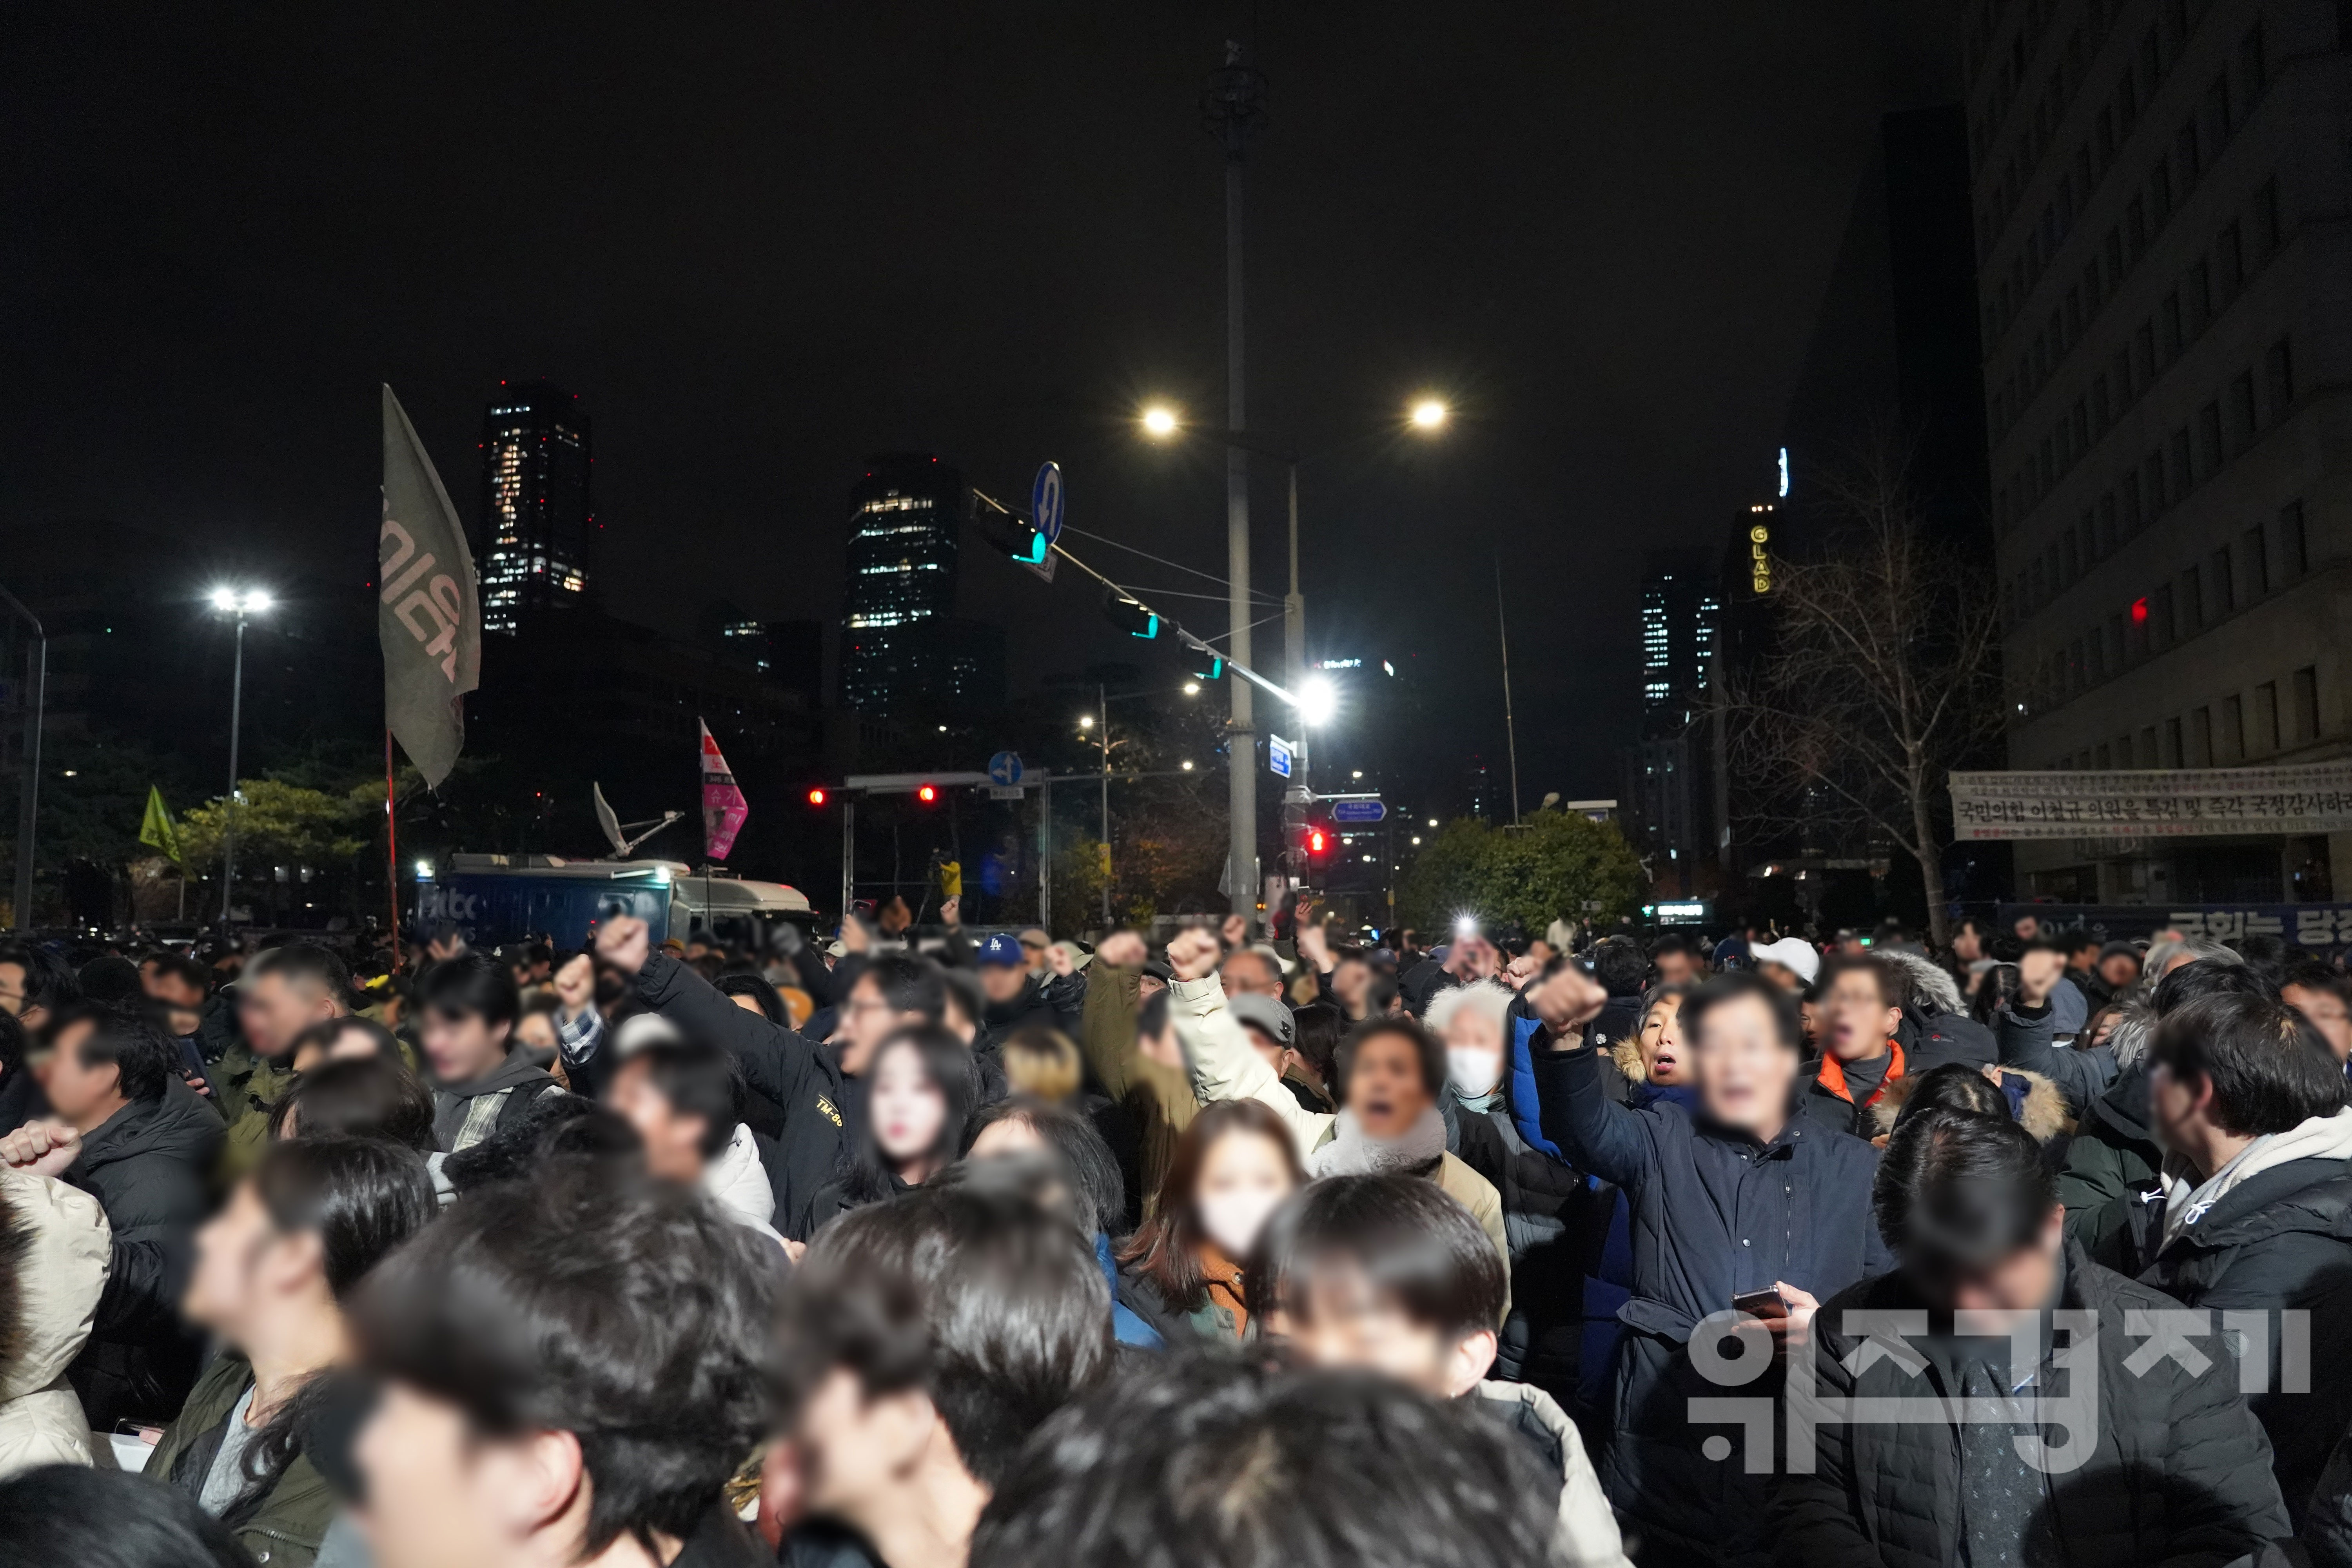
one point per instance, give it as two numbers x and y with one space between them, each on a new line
1233 1219
1474 1072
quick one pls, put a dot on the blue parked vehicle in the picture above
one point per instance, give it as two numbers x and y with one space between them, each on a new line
499 898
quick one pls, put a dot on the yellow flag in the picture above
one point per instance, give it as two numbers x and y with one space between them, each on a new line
156 831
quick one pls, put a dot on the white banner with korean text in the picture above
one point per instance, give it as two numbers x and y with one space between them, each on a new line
2160 802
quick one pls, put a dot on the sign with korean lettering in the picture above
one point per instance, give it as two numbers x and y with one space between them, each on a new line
2320 928
2161 803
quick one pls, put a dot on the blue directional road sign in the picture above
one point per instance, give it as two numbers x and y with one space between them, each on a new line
1358 811
1005 769
1046 501
1277 755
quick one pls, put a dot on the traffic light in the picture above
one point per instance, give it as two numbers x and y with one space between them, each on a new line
1129 616
1013 533
927 793
816 795
1217 670
1320 839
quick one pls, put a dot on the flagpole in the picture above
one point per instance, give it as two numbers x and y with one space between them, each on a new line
391 847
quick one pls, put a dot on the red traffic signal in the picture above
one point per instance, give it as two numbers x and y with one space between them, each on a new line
816 795
927 793
1317 840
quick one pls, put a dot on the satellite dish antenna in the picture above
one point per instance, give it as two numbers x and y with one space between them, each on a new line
617 832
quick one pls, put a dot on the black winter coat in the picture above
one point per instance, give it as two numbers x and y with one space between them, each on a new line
147 1166
2180 1474
2281 1241
788 1068
1554 1221
1714 1215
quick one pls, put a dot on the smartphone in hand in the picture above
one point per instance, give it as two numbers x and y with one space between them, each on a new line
1767 1303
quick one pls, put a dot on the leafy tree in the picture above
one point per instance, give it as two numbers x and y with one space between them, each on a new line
1550 866
279 825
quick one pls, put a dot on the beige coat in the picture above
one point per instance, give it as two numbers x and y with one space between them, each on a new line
1225 1066
48 1297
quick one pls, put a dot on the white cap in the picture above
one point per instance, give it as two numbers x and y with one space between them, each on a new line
1793 953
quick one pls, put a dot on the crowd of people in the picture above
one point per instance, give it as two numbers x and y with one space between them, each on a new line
981 1247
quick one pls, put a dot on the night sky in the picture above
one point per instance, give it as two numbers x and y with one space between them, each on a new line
761 241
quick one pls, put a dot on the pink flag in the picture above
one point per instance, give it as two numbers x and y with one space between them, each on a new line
724 805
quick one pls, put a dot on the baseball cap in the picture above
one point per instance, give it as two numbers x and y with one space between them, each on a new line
1036 937
1793 953
1003 949
1266 1013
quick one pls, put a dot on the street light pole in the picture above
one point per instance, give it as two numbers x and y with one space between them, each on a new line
228 835
244 605
36 668
1234 108
1102 703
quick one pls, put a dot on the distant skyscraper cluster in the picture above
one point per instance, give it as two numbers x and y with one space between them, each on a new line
902 646
536 512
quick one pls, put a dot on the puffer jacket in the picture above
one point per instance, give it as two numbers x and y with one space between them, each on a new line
1553 1218
1588 1535
2038 1105
2114 1153
146 1165
53 1260
2180 1474
2281 1241
1714 1213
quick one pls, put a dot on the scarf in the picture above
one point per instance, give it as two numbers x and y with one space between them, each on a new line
1351 1154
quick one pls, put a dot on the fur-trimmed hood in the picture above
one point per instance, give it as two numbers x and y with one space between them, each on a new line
2033 1099
1926 985
1627 1053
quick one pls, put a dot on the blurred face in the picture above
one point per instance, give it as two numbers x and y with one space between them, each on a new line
1245 1177
1270 1050
441 1497
12 991
2027 929
866 1020
462 1047
1967 946
1249 972
1033 948
2173 1107
854 1449
1348 981
1163 1048
1664 1059
2327 1013
1352 1326
274 1008
1385 1088
244 1264
1676 968
81 1095
2119 970
1003 982
1473 1051
536 1031
1780 974
673 1143
1857 1018
2020 1283
907 1108
175 993
1744 1073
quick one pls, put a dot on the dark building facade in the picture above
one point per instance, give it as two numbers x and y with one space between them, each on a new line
538 516
903 648
2159 192
1667 796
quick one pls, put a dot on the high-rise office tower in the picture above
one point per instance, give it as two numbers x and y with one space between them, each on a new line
902 645
1667 803
2167 345
536 515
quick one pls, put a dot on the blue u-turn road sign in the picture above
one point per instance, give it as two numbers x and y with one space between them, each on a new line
1045 500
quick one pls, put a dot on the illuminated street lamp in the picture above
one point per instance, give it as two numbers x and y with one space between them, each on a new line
1428 413
244 604
1160 421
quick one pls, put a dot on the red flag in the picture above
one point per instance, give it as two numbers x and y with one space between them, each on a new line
724 805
